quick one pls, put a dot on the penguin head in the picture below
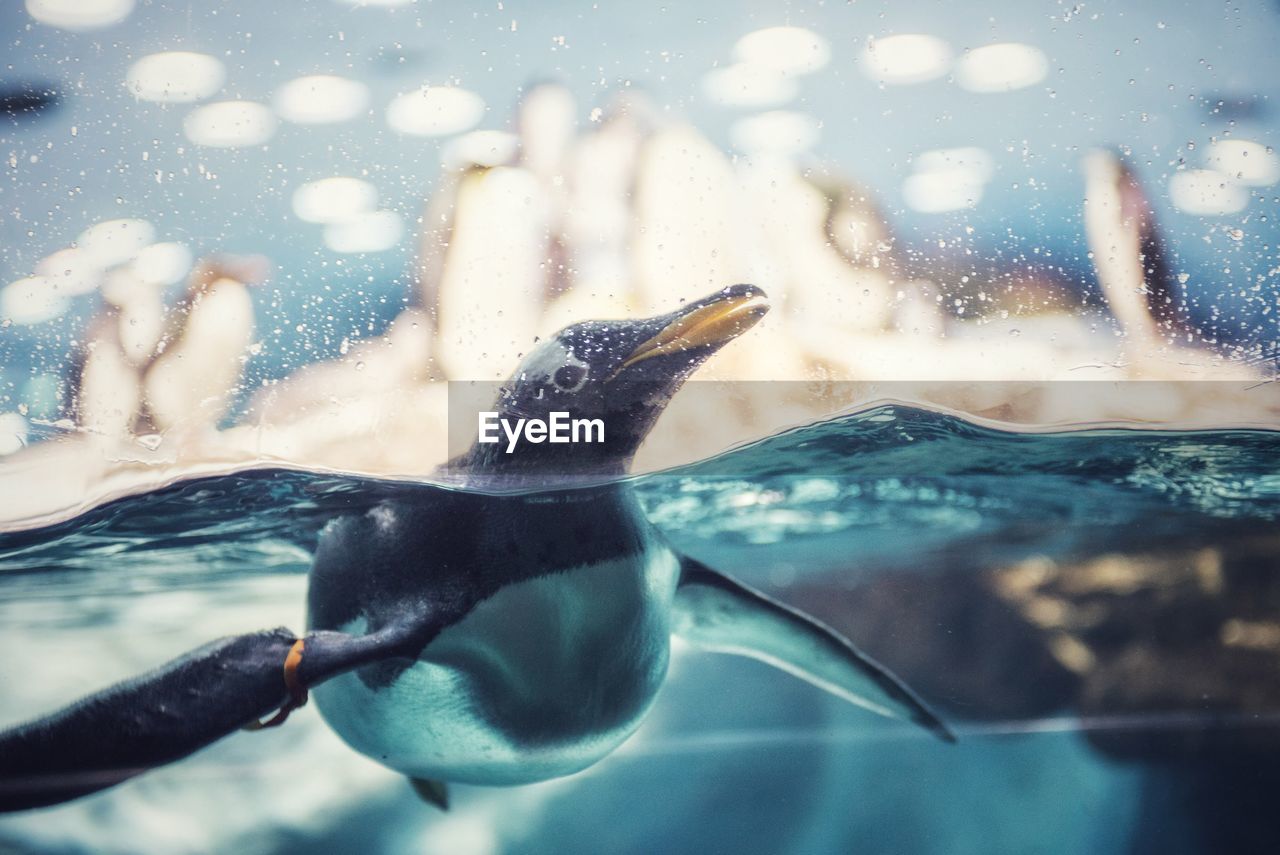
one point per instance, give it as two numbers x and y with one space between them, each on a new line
621 372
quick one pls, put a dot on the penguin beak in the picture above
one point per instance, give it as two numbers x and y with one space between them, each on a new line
707 324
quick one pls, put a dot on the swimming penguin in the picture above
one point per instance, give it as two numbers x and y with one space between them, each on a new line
480 637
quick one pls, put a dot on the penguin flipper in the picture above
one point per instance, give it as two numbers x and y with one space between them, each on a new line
716 613
178 708
432 792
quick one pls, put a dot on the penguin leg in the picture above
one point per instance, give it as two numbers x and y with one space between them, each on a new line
432 792
716 613
178 708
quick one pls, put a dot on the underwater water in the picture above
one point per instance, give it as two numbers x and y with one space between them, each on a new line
1094 612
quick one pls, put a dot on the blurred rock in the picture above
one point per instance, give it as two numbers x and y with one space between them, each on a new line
1164 657
952 640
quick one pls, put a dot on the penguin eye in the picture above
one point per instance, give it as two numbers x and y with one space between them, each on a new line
569 378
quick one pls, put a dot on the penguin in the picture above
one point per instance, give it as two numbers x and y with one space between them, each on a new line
375 409
104 387
827 242
492 230
687 217
189 383
546 122
1139 281
105 377
495 637
1127 254
597 219
397 361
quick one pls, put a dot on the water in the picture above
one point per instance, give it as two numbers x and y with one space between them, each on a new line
1085 607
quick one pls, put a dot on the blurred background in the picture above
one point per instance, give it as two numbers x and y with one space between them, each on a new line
916 176
246 233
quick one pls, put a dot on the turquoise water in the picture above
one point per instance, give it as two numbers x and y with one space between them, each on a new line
907 529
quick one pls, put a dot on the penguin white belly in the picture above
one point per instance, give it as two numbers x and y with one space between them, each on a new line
542 679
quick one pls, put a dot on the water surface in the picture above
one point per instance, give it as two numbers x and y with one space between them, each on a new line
923 536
